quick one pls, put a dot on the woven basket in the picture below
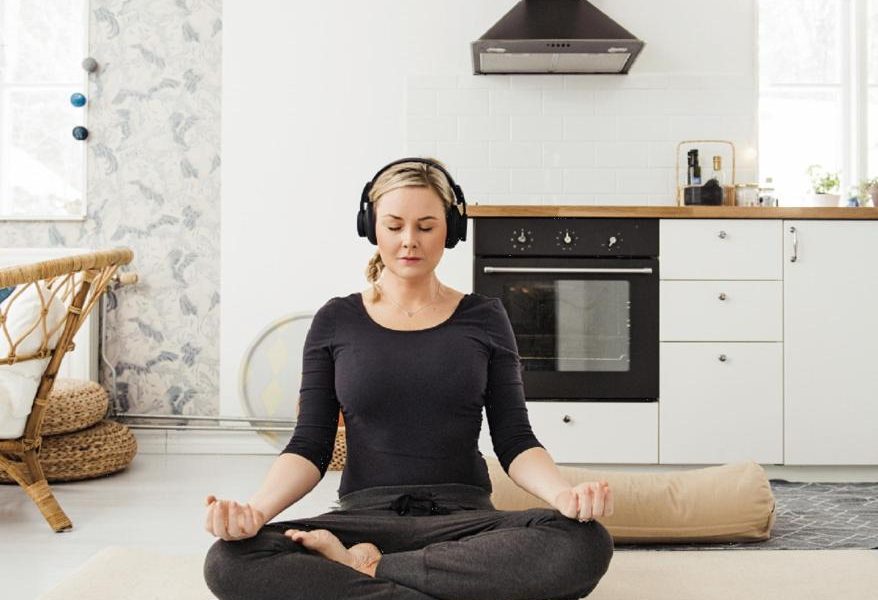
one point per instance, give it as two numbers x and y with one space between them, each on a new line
74 405
339 451
99 450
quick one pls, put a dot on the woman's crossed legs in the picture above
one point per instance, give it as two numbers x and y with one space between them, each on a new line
535 554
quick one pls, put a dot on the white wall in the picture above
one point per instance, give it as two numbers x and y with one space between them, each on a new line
318 96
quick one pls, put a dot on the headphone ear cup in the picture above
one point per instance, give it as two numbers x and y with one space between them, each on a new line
452 218
370 224
361 225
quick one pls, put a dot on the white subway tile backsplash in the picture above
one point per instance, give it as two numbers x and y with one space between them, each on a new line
515 102
616 82
482 182
568 102
463 154
662 154
462 102
642 181
590 128
421 148
474 129
431 128
589 181
515 154
621 154
532 181
535 82
482 82
532 128
697 128
644 129
628 102
568 154
577 139
420 103
431 81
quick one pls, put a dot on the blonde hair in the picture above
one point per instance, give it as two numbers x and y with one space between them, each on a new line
407 174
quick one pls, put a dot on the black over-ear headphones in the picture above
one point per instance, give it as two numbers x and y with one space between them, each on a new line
454 219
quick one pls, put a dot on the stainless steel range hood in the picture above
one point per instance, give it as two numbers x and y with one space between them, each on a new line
555 36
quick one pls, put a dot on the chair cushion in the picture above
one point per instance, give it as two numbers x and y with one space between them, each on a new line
725 503
19 381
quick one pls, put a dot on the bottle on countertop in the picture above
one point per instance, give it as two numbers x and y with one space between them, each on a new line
717 174
694 173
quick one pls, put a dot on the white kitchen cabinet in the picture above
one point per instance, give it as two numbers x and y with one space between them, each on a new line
721 402
830 332
592 432
746 311
721 333
720 249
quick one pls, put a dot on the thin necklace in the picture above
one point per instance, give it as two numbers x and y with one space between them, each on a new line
408 312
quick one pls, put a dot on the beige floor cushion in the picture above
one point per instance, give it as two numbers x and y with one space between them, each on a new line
726 503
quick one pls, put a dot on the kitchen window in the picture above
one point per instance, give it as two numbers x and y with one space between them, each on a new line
42 166
818 91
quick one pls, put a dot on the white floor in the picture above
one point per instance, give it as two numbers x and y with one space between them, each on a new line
158 502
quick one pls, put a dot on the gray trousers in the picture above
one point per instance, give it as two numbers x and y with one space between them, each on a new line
438 541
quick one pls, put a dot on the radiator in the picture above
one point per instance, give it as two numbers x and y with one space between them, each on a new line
82 363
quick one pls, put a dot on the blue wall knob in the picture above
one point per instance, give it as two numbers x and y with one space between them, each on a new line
77 99
80 132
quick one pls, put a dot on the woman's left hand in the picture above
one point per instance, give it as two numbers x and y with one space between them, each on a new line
586 501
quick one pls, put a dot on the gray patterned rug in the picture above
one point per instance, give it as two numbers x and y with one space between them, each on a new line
810 516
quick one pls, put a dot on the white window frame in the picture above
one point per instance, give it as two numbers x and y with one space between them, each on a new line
6 117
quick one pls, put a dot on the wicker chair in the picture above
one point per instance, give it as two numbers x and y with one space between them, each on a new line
77 282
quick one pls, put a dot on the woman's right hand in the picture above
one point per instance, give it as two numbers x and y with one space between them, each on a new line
230 521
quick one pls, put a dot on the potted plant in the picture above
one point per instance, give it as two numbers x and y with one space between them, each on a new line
869 191
823 184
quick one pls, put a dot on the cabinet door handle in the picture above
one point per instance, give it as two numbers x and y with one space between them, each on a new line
723 358
722 296
566 419
723 235
795 255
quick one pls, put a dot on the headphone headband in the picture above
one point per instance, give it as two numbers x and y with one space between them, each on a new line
456 220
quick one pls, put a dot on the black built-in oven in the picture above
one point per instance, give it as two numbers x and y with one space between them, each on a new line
582 295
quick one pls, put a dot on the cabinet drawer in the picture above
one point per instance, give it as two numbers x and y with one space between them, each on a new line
747 311
720 249
593 432
716 411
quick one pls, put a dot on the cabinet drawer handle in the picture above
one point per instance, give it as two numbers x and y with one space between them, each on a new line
723 235
722 296
566 419
723 358
795 255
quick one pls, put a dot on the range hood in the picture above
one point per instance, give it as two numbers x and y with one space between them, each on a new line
555 36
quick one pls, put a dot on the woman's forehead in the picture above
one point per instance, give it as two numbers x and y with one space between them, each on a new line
410 203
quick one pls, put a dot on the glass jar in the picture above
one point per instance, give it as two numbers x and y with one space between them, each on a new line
747 194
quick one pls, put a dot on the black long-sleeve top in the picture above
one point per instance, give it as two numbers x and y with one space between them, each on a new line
412 400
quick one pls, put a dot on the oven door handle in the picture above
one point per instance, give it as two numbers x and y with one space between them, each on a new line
637 271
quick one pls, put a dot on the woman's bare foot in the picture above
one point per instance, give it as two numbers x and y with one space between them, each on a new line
360 557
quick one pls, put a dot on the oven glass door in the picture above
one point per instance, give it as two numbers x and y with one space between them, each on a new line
586 329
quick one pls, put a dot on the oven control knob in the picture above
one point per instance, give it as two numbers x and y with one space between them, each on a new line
614 241
521 239
566 240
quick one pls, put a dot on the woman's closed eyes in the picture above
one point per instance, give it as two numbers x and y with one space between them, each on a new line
419 228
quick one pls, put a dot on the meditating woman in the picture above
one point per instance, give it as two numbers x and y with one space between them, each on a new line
411 363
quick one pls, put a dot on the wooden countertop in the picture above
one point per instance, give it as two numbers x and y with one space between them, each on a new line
668 212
